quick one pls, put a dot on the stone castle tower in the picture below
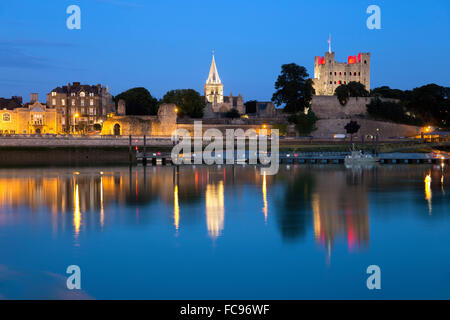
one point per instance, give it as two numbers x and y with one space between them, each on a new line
213 86
329 74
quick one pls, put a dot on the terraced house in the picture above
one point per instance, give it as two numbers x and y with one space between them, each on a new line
81 106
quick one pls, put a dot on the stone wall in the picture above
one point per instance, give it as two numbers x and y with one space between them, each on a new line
326 128
329 107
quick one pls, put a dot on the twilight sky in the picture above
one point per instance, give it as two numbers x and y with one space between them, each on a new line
167 44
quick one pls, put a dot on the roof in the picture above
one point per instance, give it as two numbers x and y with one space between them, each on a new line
76 87
213 77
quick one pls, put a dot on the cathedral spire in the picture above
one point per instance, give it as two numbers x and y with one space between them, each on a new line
213 77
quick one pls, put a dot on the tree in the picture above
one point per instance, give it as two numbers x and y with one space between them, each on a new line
250 106
233 113
357 89
189 102
342 94
352 127
293 88
138 101
97 126
351 89
304 123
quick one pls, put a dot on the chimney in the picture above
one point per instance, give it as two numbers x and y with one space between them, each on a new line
34 97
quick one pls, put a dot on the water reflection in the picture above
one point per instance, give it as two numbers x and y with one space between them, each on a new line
331 201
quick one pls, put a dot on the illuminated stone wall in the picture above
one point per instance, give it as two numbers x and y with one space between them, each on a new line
330 74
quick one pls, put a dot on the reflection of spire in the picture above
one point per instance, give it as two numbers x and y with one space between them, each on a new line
264 191
428 194
215 209
176 208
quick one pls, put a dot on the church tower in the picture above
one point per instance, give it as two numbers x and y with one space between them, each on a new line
213 86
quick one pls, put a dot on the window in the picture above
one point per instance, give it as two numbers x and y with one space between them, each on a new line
334 73
359 73
340 73
63 102
354 73
82 102
345 73
331 82
91 102
73 102
331 73
73 94
365 62
53 94
53 102
91 94
82 94
91 111
6 117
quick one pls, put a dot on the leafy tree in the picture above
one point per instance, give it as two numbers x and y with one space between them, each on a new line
138 101
351 89
431 103
352 127
189 102
390 111
293 88
357 89
304 123
233 113
342 94
386 92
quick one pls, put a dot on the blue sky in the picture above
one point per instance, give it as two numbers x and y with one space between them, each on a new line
167 44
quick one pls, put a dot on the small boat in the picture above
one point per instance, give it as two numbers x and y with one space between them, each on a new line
357 157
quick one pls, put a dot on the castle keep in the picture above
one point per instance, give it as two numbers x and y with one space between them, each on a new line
329 74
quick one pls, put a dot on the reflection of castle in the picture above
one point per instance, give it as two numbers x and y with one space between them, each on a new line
340 209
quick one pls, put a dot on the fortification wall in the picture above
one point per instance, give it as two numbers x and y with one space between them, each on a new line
326 128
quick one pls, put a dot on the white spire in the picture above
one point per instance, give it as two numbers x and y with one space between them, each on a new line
213 77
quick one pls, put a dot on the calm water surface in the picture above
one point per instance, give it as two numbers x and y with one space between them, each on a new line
225 232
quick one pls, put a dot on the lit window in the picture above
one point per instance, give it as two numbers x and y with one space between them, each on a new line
53 94
82 94
53 102
82 102
91 102
73 102
63 102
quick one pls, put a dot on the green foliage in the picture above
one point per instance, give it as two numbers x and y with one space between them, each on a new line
342 94
189 102
357 89
304 123
97 126
293 88
138 101
351 89
233 114
281 127
250 106
428 104
352 127
391 111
